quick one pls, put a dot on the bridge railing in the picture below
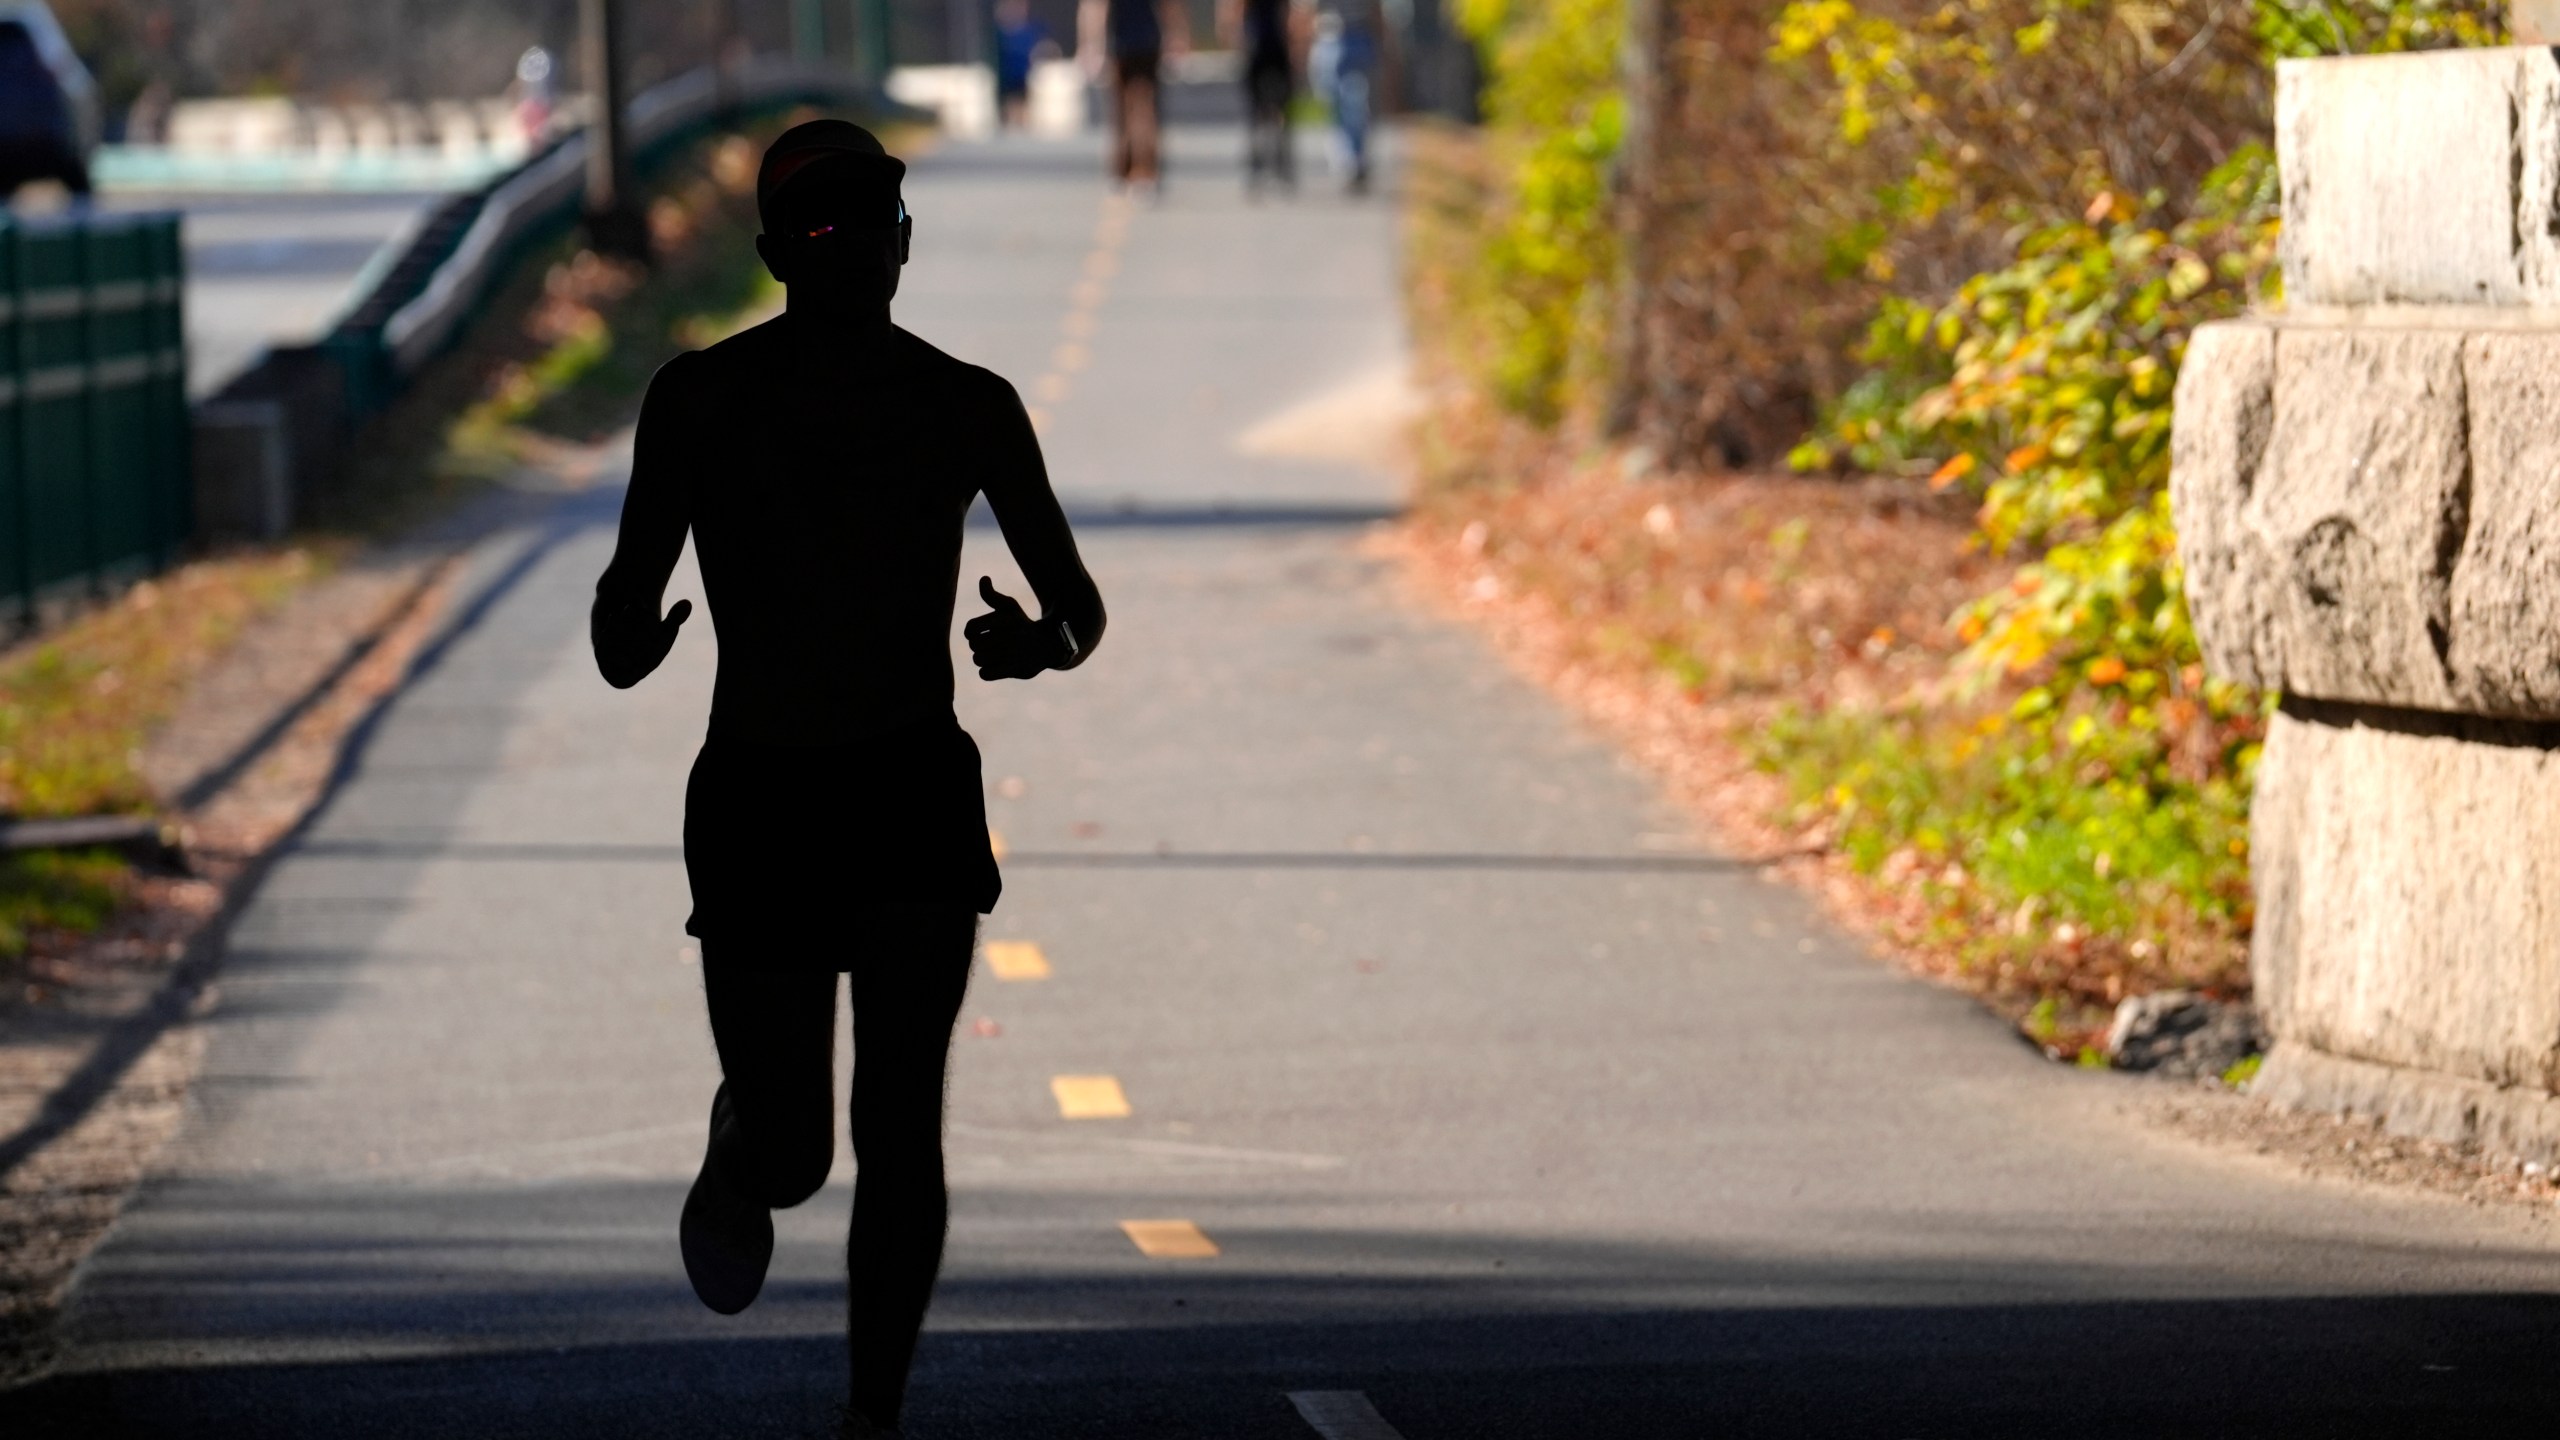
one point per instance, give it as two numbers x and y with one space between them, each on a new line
282 428
93 409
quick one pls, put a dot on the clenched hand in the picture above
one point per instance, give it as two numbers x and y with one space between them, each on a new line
1007 644
630 641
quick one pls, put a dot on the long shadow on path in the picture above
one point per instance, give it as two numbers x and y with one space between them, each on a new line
1574 1339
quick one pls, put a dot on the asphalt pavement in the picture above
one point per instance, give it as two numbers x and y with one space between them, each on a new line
1465 1095
271 268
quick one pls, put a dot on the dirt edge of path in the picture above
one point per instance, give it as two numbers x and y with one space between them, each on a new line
93 1083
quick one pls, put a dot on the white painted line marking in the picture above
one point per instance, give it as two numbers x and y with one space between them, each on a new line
1342 1415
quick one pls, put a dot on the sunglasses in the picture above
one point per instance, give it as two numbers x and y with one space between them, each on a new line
824 230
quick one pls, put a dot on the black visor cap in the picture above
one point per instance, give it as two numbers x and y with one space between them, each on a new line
827 172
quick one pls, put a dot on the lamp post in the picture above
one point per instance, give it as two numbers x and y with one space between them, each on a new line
871 31
726 52
809 31
615 225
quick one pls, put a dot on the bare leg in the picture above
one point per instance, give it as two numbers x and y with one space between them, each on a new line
770 1143
1145 163
775 1029
1123 157
907 989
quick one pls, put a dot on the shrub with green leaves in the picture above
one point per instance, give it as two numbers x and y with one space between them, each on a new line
2115 768
1538 294
2046 385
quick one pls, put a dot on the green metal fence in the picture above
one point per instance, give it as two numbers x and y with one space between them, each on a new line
93 403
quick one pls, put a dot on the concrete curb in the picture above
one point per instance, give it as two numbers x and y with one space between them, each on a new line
2423 1104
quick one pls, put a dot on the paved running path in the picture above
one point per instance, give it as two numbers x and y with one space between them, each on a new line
1498 1112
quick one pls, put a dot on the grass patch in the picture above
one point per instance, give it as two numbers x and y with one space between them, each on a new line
2058 874
74 892
76 706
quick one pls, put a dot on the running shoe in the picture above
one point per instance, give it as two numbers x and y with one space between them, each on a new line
852 1424
727 1238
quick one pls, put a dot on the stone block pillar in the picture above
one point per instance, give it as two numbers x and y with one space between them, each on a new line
2367 487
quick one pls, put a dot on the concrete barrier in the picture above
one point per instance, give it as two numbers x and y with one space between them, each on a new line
2367 491
961 97
243 470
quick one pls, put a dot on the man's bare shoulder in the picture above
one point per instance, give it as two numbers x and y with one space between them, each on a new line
687 375
753 348
938 367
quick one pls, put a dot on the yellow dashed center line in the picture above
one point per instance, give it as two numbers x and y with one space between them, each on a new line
1089 1097
1100 264
1017 960
1169 1239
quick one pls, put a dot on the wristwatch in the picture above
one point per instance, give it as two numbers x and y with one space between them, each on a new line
1067 637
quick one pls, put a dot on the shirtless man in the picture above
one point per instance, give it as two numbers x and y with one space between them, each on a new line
835 822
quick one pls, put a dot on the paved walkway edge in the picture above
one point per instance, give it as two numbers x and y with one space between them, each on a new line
472 560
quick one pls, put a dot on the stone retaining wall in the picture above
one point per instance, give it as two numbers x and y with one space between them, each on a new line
2367 489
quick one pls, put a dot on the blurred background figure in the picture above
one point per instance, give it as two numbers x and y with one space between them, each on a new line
533 94
1125 43
48 104
1343 63
1268 35
1021 42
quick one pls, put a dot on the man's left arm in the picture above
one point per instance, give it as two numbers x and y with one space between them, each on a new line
1006 642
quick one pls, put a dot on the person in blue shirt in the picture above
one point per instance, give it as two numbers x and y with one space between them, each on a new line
1345 62
1020 41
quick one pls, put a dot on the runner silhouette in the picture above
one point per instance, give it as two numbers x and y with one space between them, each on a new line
835 820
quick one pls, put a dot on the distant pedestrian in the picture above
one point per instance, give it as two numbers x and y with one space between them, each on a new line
1344 63
1021 42
533 95
1265 33
824 463
1126 43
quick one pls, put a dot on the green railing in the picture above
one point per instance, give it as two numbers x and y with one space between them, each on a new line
93 404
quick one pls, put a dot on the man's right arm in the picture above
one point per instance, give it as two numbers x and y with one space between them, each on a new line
629 637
